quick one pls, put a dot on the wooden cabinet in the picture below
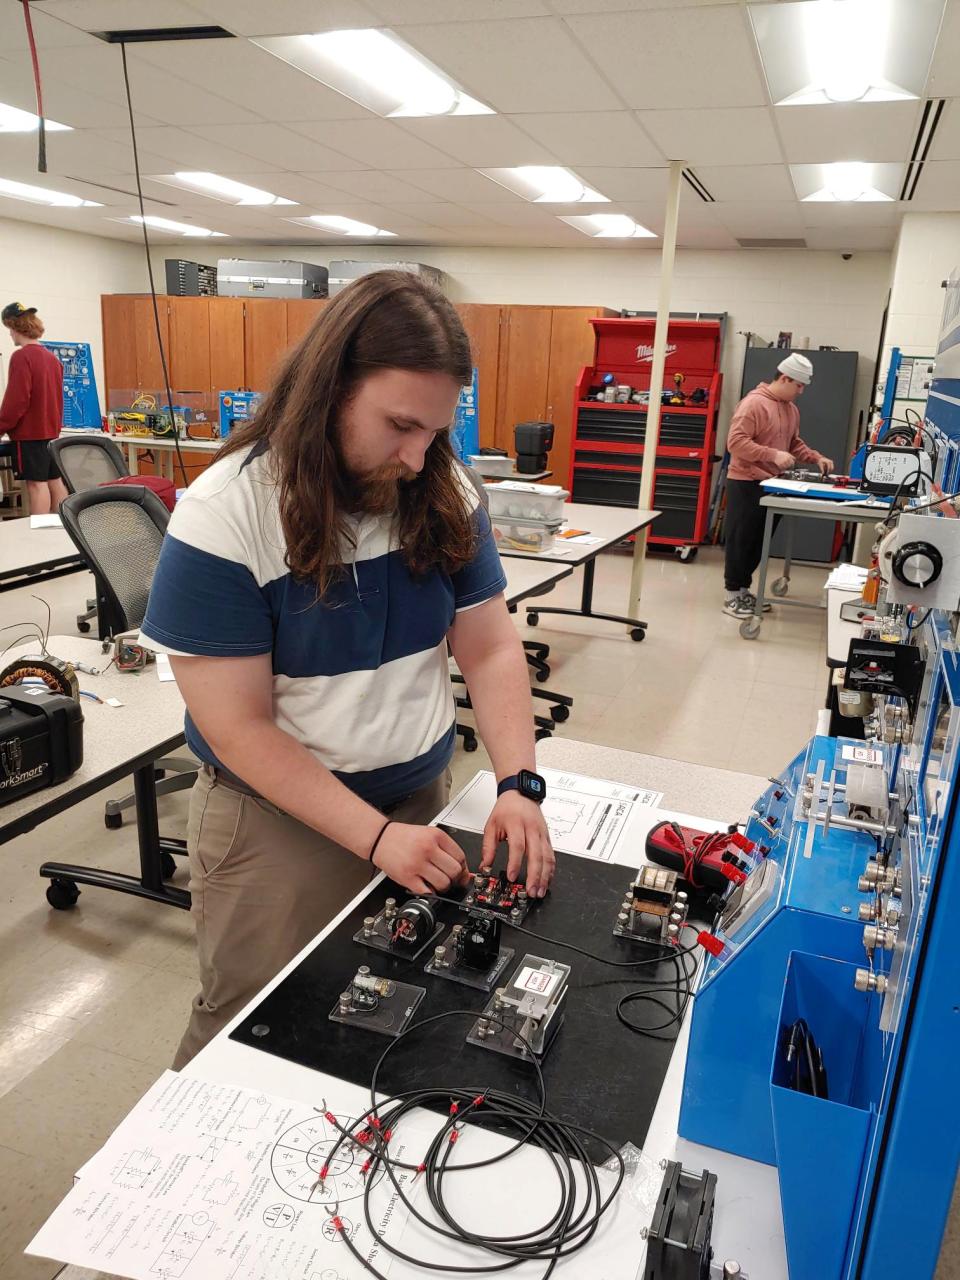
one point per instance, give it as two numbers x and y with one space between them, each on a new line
264 340
301 316
227 364
571 347
524 369
131 354
188 353
482 323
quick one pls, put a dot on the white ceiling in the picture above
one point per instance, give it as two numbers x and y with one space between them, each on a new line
613 89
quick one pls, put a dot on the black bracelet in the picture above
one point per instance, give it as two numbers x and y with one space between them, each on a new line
373 849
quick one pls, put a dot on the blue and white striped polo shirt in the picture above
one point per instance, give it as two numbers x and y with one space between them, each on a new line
361 679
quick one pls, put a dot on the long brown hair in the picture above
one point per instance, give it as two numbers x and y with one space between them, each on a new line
28 325
385 320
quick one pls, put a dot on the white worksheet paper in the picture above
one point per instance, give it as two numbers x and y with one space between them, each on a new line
46 522
211 1182
587 816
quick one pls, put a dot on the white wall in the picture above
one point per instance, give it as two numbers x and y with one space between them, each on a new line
63 274
928 249
814 294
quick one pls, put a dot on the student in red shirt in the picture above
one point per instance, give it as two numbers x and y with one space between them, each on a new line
763 440
32 410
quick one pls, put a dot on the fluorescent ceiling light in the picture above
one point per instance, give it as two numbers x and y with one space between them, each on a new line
165 224
376 69
847 182
817 52
610 226
545 184
13 120
218 188
41 195
338 226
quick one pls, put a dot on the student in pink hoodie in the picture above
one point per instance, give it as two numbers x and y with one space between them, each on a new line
763 440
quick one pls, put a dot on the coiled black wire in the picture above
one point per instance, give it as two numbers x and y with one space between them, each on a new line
569 1228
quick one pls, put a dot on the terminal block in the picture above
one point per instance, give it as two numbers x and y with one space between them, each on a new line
371 1003
404 931
472 954
524 1017
653 909
497 895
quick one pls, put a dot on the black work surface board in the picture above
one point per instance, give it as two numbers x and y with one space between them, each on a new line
597 1073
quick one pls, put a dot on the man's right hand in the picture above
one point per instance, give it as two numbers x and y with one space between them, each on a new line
422 859
783 461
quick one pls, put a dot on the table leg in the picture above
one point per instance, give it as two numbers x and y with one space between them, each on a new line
133 459
636 627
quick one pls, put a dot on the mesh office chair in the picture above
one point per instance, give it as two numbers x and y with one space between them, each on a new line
118 531
85 461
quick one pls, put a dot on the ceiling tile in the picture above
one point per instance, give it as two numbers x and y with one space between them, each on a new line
484 142
64 102
725 135
378 143
946 143
676 57
403 12
618 6
187 151
763 182
374 184
848 131
847 240
938 188
278 146
705 238
122 15
592 137
47 31
845 213
441 213
750 219
626 184
527 64
464 186
944 80
240 72
286 17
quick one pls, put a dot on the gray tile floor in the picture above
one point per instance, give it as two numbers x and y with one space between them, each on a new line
93 1001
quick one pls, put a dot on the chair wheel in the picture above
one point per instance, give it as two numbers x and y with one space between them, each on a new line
541 734
470 744
62 894
638 634
168 865
83 626
750 628
112 821
532 619
543 676
686 554
780 587
560 713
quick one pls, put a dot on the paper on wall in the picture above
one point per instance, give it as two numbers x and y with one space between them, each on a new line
586 816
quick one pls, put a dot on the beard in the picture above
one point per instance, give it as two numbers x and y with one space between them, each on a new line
377 492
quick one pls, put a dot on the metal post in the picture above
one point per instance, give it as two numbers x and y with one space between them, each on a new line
652 435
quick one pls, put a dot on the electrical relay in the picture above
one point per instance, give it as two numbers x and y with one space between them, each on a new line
472 954
524 1017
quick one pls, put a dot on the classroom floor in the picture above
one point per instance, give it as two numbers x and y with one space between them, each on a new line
93 1001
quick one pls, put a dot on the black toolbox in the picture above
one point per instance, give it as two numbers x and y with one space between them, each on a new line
41 740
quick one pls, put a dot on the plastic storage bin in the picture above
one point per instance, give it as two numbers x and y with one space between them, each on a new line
491 465
821 1141
536 536
526 501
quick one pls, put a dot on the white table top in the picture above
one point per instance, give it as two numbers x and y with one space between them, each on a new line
115 739
165 442
527 578
610 524
25 550
839 631
532 476
748 1223
841 510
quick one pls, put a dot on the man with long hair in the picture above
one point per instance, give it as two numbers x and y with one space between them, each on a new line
307 590
32 410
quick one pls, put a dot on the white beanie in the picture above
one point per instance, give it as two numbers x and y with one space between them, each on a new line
797 367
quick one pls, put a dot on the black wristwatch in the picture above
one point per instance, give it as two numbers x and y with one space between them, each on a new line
527 782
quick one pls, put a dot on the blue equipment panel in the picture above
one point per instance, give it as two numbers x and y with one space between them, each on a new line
81 404
236 406
465 433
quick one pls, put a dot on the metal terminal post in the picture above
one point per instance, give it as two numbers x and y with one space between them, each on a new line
867 980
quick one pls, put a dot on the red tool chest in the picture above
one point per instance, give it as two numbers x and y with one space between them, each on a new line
608 439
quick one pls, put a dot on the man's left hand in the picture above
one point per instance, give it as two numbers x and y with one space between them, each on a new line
825 465
519 821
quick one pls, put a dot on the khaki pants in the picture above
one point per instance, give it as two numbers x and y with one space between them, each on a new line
263 885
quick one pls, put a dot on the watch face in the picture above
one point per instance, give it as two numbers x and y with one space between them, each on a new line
532 784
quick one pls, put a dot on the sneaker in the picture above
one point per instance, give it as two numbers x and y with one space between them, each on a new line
748 595
738 606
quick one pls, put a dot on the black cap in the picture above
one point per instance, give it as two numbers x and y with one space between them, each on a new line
14 309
